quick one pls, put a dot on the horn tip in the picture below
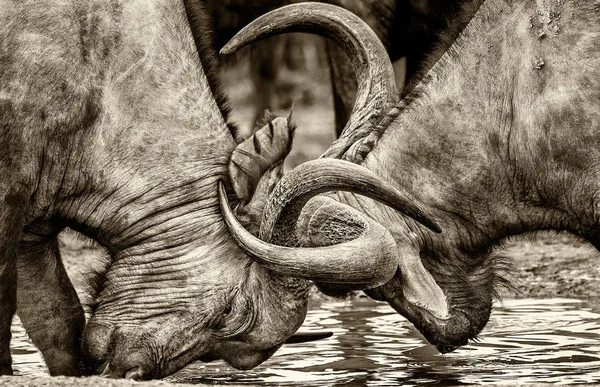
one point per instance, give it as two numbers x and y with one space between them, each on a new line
304 337
421 217
233 45
226 50
434 227
427 221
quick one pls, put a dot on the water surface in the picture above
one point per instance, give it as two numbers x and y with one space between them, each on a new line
550 341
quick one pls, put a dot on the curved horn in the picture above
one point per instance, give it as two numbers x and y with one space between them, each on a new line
376 93
370 259
317 176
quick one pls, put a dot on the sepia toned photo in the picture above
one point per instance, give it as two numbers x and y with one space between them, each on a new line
277 192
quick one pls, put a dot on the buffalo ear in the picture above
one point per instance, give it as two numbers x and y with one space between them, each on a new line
255 167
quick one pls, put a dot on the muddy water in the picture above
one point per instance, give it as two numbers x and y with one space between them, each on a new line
555 340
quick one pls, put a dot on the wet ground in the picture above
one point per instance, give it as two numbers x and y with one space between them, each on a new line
526 341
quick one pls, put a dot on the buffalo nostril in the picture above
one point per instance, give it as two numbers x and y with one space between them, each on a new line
95 346
135 373
447 348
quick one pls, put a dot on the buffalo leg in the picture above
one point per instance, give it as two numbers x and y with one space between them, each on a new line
11 207
8 303
49 308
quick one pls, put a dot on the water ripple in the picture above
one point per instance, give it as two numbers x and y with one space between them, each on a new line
549 341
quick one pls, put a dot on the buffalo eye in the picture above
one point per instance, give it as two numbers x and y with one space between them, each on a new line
227 309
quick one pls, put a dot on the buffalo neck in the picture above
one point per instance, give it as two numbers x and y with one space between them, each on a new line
143 164
501 137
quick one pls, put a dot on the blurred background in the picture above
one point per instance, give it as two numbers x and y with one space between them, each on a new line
312 74
302 80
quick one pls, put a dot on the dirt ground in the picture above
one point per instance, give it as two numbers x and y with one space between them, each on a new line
547 265
96 381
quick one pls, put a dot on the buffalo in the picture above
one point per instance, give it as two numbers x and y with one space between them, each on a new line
112 124
501 137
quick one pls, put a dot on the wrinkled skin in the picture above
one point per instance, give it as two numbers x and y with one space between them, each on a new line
493 142
409 29
110 127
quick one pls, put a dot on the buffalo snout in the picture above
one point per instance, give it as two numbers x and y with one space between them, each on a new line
447 334
123 352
